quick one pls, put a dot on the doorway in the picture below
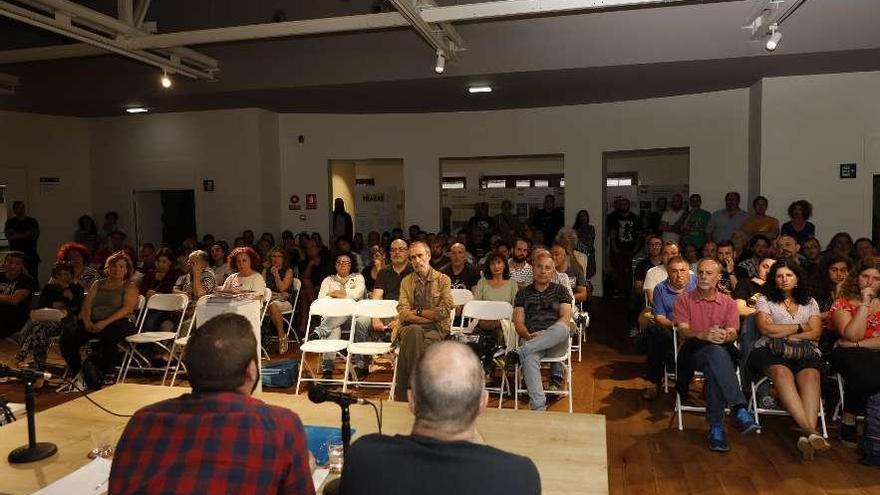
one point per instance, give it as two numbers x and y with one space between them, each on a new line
372 191
164 217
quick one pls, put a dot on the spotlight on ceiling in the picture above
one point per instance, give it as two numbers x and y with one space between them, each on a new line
165 80
440 64
774 39
484 88
136 110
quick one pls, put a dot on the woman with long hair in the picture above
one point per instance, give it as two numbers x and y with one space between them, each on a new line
86 233
279 278
371 271
799 226
856 316
219 261
841 244
787 352
77 255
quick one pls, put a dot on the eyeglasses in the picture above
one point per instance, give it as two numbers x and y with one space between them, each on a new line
341 262
398 250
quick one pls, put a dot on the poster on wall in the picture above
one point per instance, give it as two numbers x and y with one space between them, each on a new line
376 209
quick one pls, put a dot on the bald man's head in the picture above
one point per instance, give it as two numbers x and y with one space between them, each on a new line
447 388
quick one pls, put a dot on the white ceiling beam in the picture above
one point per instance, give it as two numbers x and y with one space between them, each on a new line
125 11
116 27
61 25
433 35
73 50
140 12
366 22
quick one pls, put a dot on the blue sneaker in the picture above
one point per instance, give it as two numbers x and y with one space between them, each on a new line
746 422
717 439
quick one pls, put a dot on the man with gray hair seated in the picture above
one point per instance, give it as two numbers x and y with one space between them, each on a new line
444 453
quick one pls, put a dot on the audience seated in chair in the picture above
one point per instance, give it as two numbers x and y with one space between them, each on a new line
279 278
160 280
60 293
105 316
856 315
78 255
788 319
16 290
217 419
198 280
245 261
707 322
444 453
659 330
541 317
219 261
386 286
424 313
343 285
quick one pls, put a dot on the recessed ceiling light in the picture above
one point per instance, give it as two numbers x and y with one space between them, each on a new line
136 110
480 89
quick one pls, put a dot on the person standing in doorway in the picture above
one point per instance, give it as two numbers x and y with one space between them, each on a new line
624 230
342 224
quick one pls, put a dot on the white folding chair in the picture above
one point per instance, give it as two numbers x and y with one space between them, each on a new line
568 391
179 344
680 407
490 311
460 297
371 308
142 303
581 323
327 307
838 409
158 302
758 411
288 316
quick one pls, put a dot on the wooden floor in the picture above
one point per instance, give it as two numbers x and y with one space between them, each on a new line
647 454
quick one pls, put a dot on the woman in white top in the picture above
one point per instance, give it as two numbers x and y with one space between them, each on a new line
343 285
787 352
244 260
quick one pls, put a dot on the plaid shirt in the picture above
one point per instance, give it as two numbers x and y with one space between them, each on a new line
221 442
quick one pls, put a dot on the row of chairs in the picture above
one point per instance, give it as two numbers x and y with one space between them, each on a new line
753 405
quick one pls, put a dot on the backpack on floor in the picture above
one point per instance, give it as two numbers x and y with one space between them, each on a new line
870 442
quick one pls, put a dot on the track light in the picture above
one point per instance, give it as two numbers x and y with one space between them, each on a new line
480 89
774 39
136 110
440 65
165 80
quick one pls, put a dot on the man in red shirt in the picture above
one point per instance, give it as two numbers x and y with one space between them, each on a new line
217 439
708 322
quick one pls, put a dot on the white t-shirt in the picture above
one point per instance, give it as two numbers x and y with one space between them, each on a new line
670 217
253 282
653 278
354 286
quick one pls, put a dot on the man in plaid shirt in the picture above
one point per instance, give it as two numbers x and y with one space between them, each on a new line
217 439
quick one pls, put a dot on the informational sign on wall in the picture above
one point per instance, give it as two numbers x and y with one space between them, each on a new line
311 201
376 209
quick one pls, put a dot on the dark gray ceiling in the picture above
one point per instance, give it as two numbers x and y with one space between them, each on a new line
551 60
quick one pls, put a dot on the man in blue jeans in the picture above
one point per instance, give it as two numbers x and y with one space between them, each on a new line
707 322
541 316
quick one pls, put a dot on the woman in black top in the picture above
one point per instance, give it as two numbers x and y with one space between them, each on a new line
371 271
60 293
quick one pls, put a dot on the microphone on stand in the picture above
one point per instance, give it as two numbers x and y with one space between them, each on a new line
23 375
318 394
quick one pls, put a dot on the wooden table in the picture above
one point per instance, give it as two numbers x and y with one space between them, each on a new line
569 449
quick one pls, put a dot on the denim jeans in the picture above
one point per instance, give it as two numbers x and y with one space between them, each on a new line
721 386
363 332
331 328
551 342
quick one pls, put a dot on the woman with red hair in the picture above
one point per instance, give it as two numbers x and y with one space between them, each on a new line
244 260
76 254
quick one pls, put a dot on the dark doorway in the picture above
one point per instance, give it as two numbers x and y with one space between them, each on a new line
165 217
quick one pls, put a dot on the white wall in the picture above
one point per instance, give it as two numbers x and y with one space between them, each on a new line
48 146
235 148
653 169
713 125
809 126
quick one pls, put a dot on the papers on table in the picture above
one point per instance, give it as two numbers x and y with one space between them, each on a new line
90 479
226 295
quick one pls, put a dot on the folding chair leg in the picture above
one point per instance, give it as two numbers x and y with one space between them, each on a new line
755 404
170 359
393 375
345 377
570 390
176 370
302 362
678 411
516 386
822 418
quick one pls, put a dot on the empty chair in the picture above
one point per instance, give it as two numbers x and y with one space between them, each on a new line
370 308
158 302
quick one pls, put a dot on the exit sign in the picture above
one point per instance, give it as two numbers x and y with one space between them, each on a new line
847 170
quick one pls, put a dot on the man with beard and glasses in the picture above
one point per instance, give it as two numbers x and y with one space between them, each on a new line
217 439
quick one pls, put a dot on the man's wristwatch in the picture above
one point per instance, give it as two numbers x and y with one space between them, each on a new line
419 312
